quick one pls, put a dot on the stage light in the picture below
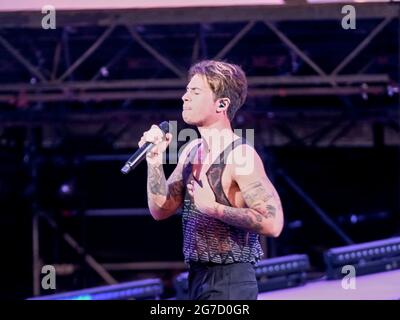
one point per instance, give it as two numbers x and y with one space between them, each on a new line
104 72
369 257
282 272
182 286
65 189
271 274
139 290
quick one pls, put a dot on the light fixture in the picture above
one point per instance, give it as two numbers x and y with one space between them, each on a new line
140 290
369 257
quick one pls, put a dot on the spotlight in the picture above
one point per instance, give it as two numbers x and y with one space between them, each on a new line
369 257
182 286
140 290
391 90
65 189
104 72
282 272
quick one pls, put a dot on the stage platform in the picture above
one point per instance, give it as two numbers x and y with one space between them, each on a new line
378 286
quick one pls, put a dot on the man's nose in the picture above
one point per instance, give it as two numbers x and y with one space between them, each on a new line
185 97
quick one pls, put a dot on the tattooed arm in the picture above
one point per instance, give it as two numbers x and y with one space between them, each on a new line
264 214
164 197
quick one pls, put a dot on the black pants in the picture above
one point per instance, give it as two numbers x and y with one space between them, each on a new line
235 281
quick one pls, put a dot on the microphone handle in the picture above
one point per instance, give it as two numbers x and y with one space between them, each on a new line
140 154
137 157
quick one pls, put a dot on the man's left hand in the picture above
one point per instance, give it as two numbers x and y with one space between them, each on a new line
203 197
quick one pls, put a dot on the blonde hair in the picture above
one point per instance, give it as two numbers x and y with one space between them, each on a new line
226 80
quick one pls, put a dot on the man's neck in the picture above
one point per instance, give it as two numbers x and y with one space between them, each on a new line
216 136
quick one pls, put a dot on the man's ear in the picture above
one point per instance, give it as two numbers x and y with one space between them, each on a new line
223 104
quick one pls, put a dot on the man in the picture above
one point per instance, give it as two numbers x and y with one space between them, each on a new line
226 204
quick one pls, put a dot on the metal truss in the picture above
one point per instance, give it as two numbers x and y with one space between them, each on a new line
122 128
286 12
57 84
52 88
37 261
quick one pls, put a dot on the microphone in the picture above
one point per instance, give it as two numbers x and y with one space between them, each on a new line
140 154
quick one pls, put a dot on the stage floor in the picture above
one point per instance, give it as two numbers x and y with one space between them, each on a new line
377 286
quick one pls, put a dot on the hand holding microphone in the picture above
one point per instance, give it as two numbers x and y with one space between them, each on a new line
152 144
157 137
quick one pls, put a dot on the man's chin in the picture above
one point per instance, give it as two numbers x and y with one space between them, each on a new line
188 121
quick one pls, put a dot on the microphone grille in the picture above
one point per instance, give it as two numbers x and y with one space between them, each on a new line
164 126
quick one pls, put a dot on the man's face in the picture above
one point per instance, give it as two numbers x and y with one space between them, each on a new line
199 107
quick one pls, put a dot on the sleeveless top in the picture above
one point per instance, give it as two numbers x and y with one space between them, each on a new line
207 239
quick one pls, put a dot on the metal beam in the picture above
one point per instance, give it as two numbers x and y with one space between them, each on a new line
318 80
15 53
318 210
286 12
343 131
234 40
196 49
118 55
296 49
36 263
287 131
96 266
362 45
322 114
176 94
180 83
177 70
321 132
88 52
56 60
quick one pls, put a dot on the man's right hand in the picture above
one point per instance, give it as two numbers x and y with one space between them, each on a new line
160 141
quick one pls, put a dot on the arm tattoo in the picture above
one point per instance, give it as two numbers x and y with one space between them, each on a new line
156 183
158 186
257 197
271 211
242 218
175 187
261 205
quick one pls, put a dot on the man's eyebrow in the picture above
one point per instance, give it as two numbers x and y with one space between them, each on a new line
193 88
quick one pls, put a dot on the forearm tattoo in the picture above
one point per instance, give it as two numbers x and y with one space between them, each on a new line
261 205
175 187
244 218
257 197
157 184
